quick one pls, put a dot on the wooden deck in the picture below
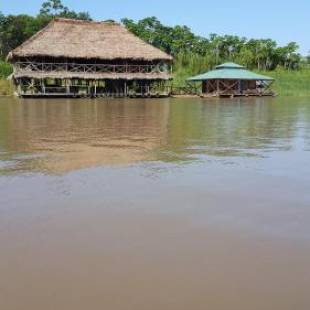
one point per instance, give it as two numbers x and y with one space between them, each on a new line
237 95
110 95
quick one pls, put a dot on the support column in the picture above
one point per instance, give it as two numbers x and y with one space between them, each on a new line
19 87
32 86
67 86
43 86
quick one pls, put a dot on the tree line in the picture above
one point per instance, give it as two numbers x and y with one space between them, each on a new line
183 44
189 50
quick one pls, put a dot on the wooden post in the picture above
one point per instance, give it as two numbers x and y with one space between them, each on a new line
43 86
32 86
67 86
218 87
95 88
19 88
125 89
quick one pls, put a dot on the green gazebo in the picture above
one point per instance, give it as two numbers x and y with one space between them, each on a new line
230 79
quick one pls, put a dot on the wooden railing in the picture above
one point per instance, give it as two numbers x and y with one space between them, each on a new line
91 91
90 68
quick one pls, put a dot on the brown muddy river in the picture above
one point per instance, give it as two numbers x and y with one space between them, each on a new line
155 204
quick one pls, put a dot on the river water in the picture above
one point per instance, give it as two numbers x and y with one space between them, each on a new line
155 204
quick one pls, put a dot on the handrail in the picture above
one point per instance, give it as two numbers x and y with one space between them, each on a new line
79 64
90 68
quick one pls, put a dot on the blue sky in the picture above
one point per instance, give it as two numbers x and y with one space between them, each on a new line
283 21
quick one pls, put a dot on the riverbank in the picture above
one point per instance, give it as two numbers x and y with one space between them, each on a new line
6 88
287 83
291 83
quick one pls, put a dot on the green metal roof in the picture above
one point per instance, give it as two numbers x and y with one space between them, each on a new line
230 71
230 65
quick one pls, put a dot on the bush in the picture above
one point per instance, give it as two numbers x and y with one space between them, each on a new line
5 69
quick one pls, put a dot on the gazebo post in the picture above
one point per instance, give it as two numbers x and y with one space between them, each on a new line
67 83
239 87
125 89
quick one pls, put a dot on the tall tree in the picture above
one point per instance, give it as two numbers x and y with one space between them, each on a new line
52 8
55 8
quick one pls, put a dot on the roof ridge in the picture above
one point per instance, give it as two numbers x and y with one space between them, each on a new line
82 21
229 65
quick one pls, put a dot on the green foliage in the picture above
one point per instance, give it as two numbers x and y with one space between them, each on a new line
308 58
173 40
5 69
52 8
16 29
55 8
263 54
291 83
6 87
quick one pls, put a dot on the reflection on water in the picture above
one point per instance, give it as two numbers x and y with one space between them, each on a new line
155 204
63 135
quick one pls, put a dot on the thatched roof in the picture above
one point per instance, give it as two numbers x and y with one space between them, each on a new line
89 40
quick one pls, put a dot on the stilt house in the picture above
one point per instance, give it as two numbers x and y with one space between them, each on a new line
73 58
230 79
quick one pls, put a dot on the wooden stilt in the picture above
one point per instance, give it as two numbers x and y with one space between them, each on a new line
67 87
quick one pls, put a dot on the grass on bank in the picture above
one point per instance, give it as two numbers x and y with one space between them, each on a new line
5 69
6 88
291 83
